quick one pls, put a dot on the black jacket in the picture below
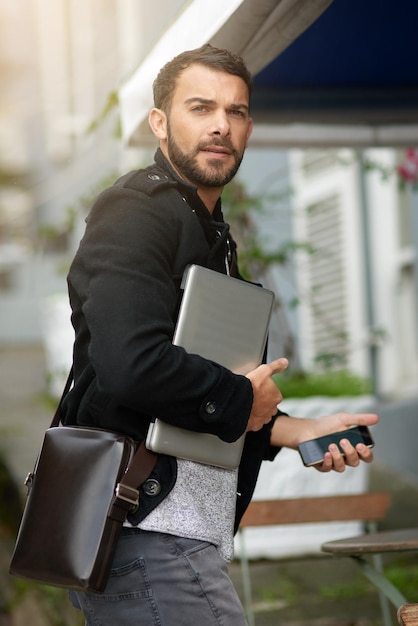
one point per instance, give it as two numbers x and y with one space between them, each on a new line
124 288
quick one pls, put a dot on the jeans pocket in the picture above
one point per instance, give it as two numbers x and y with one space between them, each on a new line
126 582
189 546
126 599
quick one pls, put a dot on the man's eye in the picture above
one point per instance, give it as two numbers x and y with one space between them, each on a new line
237 113
200 108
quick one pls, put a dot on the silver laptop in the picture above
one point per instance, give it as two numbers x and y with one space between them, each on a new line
224 320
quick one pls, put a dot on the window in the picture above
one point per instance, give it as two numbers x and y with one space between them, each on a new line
327 281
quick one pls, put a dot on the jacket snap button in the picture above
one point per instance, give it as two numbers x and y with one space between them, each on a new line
151 487
210 408
153 177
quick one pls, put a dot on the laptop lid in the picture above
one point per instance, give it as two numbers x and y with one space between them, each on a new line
225 320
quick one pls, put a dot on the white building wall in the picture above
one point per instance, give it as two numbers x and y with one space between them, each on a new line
382 205
395 289
53 65
65 57
392 322
404 333
354 256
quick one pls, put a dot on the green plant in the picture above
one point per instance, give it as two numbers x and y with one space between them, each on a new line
405 577
284 588
55 237
240 208
355 589
338 383
109 107
402 574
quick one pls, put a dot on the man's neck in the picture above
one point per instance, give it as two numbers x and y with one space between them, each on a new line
209 197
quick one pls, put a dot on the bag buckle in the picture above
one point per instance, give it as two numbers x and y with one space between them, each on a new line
128 494
29 482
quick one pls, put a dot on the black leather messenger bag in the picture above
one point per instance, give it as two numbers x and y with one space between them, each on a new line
84 484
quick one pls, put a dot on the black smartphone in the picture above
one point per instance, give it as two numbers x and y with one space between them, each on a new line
312 451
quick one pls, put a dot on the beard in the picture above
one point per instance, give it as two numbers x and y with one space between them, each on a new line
214 174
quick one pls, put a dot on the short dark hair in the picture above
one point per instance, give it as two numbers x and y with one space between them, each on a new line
215 58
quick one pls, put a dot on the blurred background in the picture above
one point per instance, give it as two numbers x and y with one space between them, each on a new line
325 206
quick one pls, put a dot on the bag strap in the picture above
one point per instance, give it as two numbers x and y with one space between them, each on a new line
56 419
126 498
140 467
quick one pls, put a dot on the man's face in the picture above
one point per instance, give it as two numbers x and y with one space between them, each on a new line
208 126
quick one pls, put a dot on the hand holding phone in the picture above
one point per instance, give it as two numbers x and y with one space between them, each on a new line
312 451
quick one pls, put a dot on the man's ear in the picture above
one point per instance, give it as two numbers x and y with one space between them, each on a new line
157 120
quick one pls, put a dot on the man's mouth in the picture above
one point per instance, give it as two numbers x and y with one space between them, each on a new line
221 150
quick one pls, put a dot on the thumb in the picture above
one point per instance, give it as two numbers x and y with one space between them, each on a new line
278 365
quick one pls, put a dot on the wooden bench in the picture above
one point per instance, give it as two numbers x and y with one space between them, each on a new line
408 615
368 508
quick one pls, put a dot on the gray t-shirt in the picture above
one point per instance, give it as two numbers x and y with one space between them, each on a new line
201 505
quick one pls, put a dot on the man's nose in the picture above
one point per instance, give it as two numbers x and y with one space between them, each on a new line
221 125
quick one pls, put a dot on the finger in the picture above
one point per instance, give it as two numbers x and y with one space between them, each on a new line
326 465
351 454
365 453
338 460
278 365
360 419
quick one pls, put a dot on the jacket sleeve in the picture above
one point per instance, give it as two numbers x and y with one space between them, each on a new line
124 292
257 449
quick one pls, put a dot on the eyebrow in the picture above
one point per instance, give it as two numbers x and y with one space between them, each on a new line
198 100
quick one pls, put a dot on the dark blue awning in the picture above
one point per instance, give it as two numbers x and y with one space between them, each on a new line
344 72
357 63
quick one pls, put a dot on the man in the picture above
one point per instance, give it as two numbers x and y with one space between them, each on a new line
124 285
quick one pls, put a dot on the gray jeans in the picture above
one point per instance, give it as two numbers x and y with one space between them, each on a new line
163 580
